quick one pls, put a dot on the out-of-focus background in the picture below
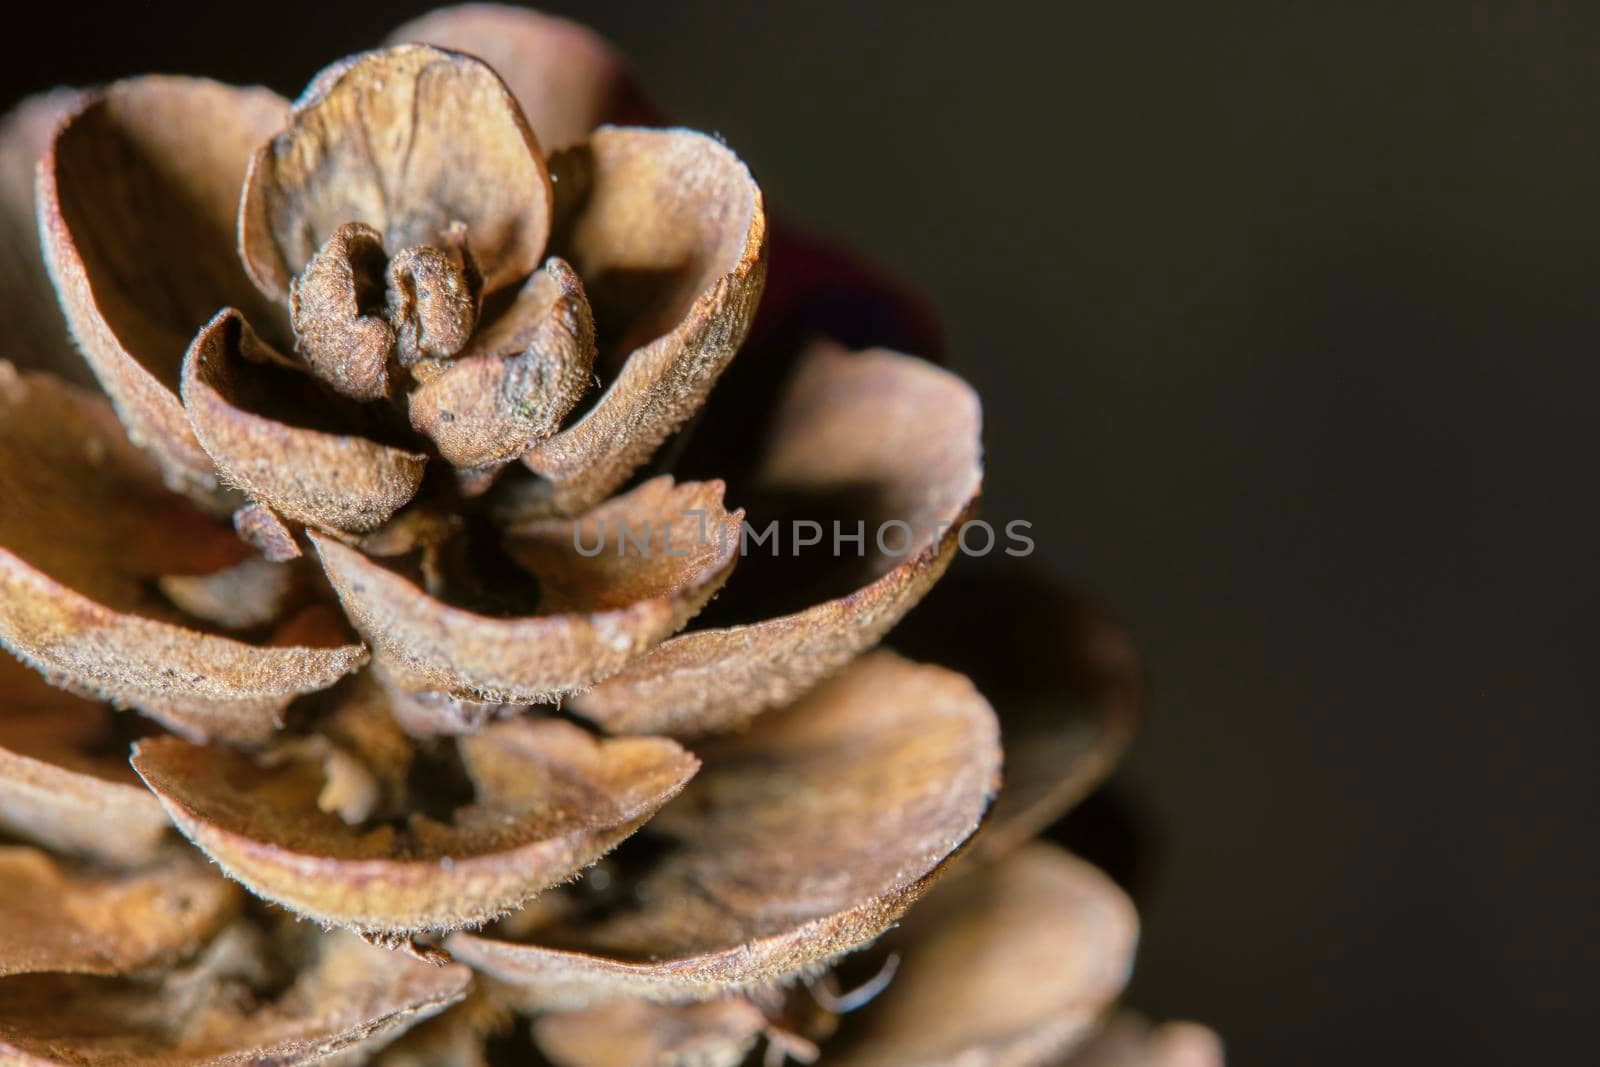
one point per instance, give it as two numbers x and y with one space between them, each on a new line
1284 316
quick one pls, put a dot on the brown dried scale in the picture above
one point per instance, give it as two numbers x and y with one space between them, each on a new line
597 611
456 1037
86 533
637 1033
549 800
266 533
63 783
331 481
1065 728
1009 964
142 251
336 305
567 78
60 917
518 378
251 593
777 872
30 318
407 140
899 439
679 209
224 1007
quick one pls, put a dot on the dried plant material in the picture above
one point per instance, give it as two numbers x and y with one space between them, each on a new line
453 1038
1064 728
1058 754
349 788
351 997
317 625
58 784
330 481
30 317
667 229
518 379
567 79
423 527
779 870
423 714
893 440
392 226
657 540
363 756
1008 964
408 140
550 800
251 593
56 917
433 298
375 751
86 532
1130 1041
636 1033
354 308
201 686
263 531
602 609
86 507
336 305
141 250
353 788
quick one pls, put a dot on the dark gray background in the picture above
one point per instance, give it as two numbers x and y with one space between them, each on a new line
1284 318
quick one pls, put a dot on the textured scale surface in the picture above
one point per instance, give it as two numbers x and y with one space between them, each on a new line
388 676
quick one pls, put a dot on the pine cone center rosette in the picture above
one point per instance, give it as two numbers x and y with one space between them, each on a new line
378 539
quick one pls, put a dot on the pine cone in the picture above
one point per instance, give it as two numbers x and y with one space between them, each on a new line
381 537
